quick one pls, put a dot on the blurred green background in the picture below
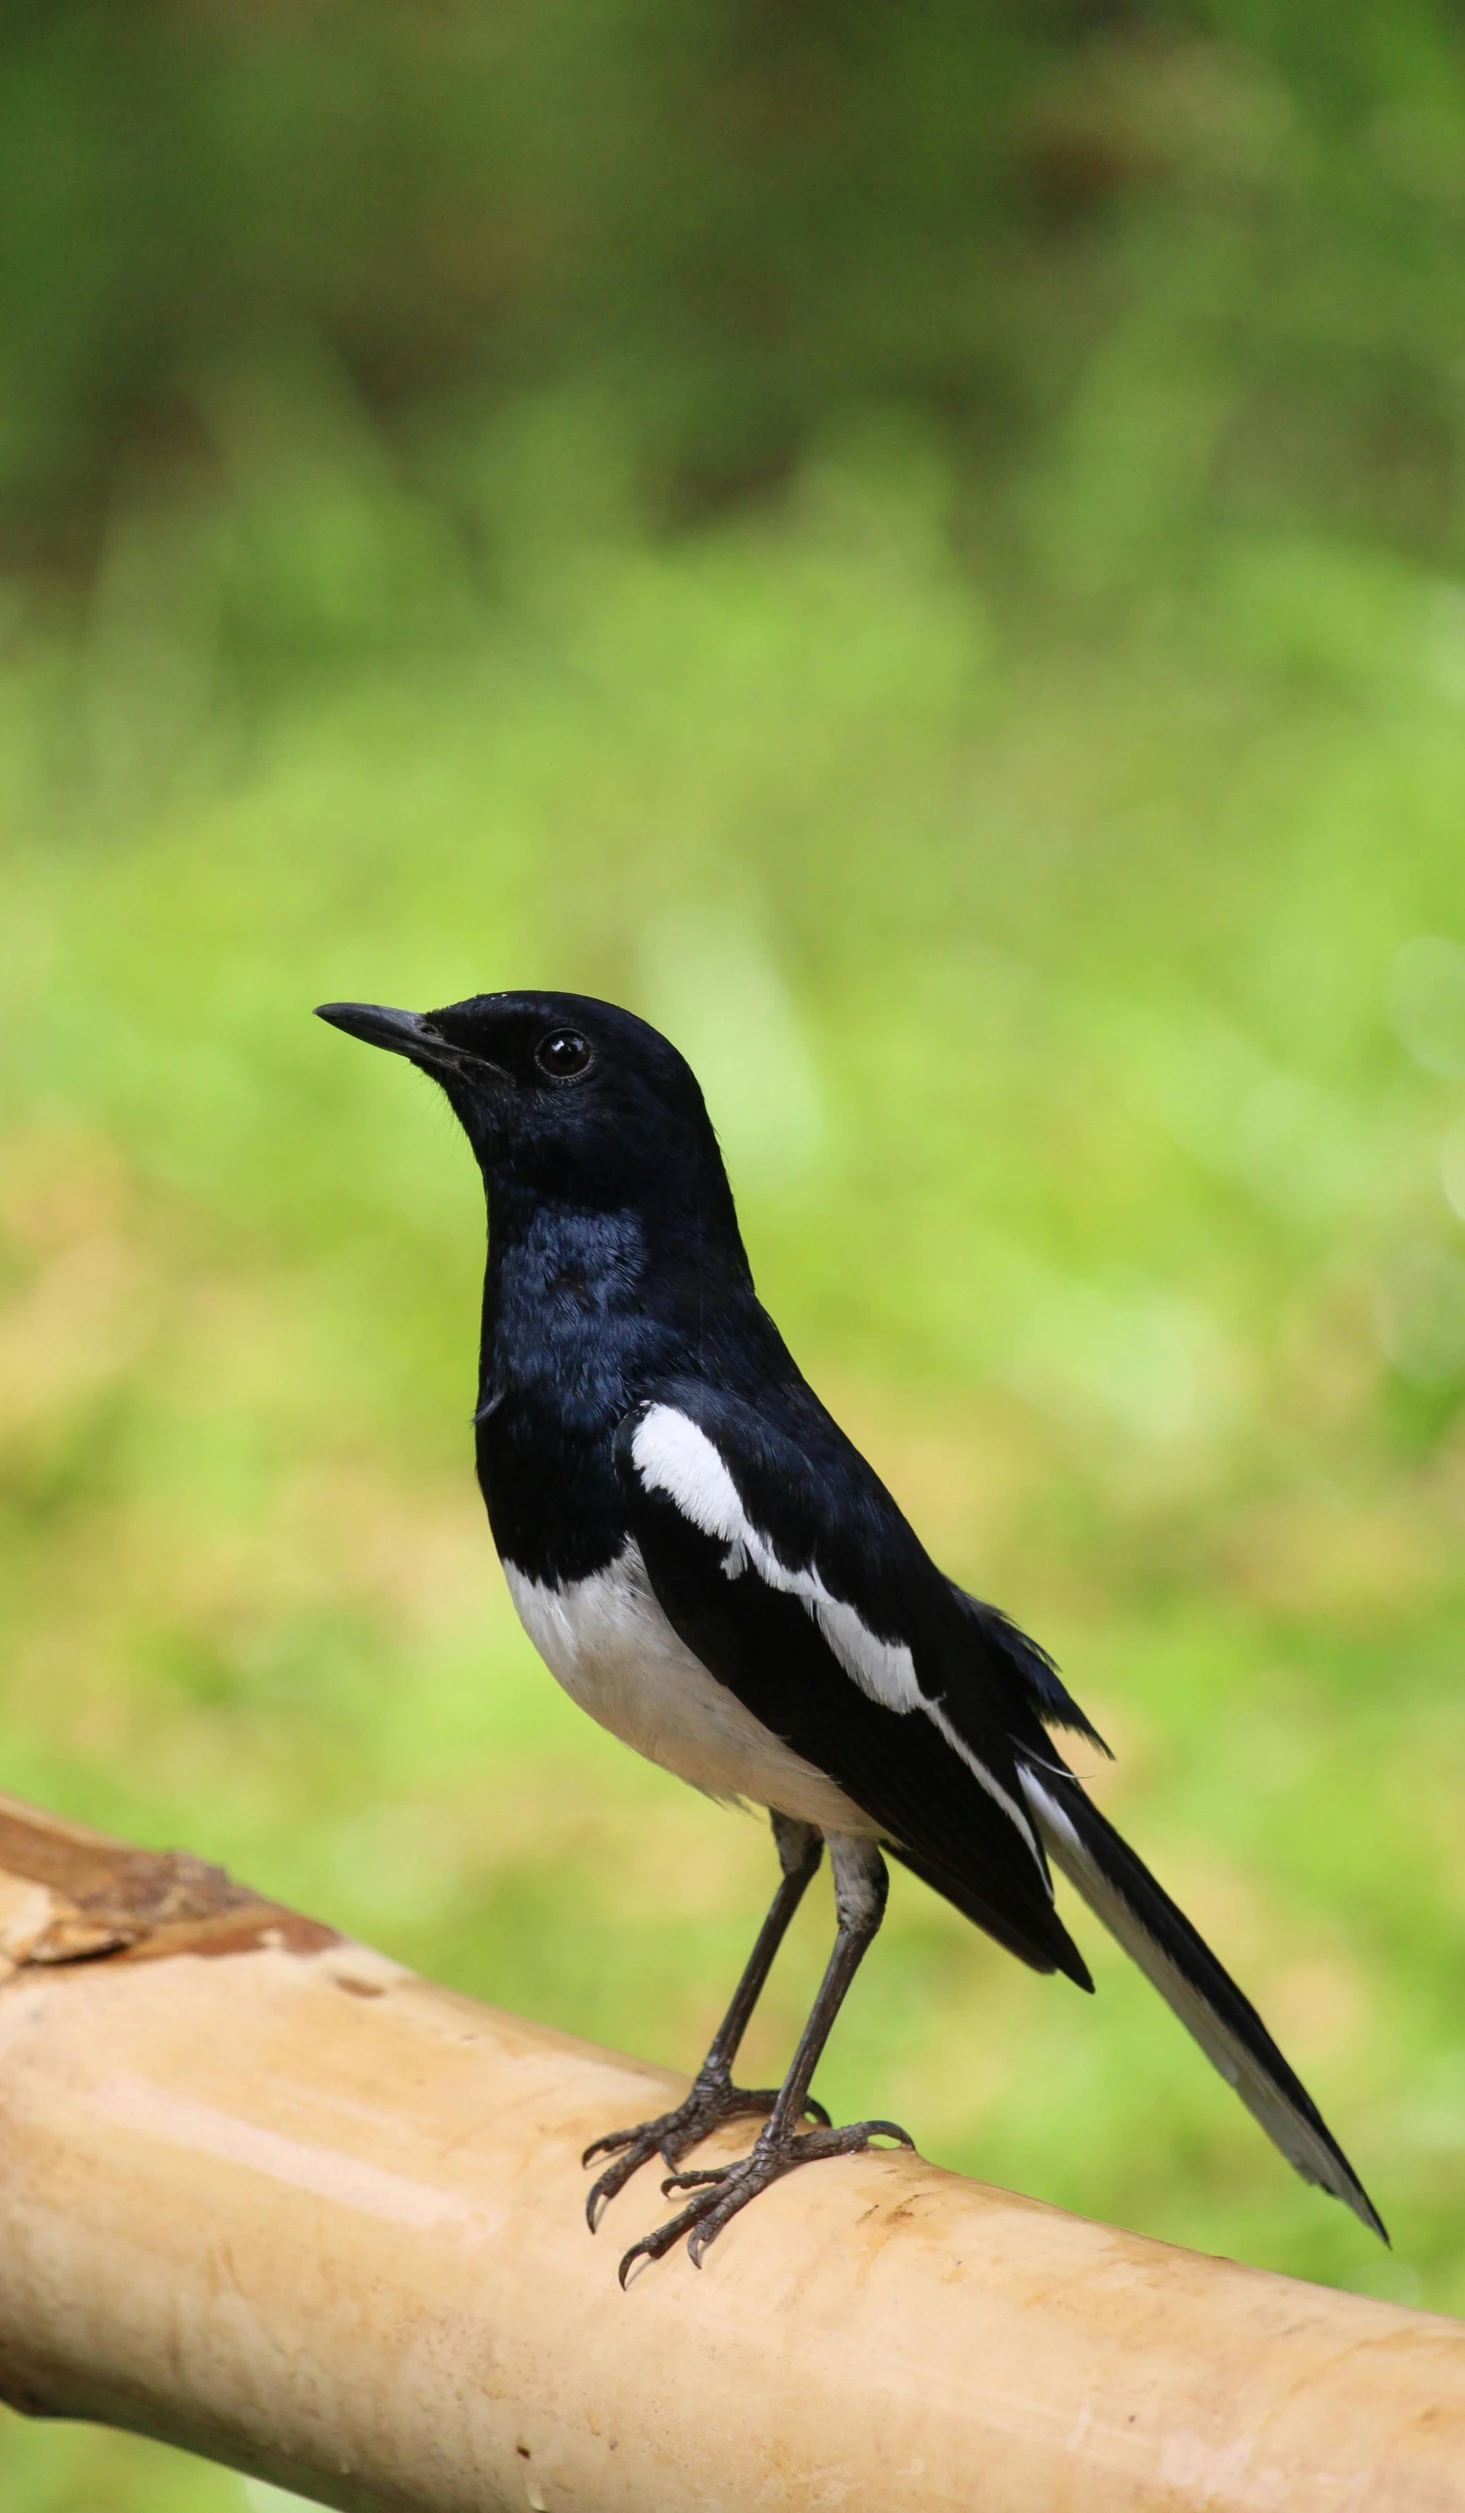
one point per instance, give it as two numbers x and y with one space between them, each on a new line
923 547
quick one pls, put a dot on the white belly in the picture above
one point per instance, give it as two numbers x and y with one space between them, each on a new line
607 1641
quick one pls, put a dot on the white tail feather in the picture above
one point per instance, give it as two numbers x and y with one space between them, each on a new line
1312 2154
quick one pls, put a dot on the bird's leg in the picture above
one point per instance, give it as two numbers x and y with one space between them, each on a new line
714 2098
860 1888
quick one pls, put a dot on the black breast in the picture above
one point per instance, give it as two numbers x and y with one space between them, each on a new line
568 1344
553 1502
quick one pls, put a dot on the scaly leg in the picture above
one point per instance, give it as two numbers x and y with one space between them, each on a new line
860 1888
714 2098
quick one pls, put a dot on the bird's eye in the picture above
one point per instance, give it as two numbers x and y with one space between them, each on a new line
562 1054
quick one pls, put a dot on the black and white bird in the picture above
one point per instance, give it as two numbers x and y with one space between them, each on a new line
712 1571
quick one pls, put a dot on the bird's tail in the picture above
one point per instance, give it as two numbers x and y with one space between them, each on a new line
1121 1892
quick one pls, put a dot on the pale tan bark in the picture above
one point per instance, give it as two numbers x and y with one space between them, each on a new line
266 2195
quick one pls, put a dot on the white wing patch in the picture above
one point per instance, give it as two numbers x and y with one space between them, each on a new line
673 1454
993 1787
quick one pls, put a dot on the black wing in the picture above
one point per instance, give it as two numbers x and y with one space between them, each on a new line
798 1584
1037 1676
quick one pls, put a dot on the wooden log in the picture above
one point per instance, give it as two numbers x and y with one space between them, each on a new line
266 2195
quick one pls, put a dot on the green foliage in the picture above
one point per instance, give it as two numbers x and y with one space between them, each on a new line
1135 264
921 557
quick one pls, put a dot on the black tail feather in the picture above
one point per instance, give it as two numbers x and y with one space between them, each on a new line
1120 1890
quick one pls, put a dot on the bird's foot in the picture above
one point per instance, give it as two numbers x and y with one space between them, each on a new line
718 2196
713 2100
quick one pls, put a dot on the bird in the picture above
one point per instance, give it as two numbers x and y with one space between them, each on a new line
712 1570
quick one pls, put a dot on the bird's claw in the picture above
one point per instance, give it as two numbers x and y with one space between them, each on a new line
720 2194
753 2105
712 2101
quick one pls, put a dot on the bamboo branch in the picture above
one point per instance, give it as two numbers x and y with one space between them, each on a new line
270 2197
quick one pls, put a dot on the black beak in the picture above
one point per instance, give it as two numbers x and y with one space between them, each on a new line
405 1033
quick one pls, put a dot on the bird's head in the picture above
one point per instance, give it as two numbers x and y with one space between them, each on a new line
564 1098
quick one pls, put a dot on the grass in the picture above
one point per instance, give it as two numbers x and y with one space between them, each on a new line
1044 972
